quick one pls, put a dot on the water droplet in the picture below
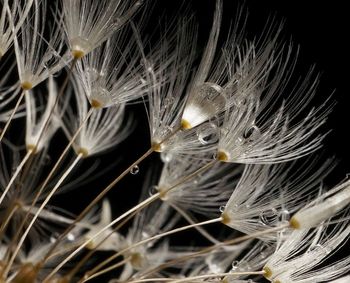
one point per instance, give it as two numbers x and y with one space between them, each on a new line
239 141
204 102
268 216
46 160
222 208
134 170
251 134
235 265
284 215
244 265
166 157
145 235
168 101
208 134
71 237
94 74
214 264
263 251
320 249
238 100
153 190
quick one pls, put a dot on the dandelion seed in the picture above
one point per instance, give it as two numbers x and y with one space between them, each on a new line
35 125
38 58
109 74
13 15
87 24
265 192
291 263
101 132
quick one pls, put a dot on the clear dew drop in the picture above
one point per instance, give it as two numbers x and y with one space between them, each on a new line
145 235
153 190
263 251
166 157
268 216
204 102
214 264
235 265
283 215
251 134
222 208
94 74
134 170
168 101
244 265
318 248
71 237
239 141
208 134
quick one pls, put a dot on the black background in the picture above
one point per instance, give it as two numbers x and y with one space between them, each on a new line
321 30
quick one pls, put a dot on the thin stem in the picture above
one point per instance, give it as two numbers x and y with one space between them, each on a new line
62 89
95 201
156 237
38 194
2 134
216 275
206 276
200 230
214 247
189 177
121 263
63 154
46 124
8 217
106 190
14 176
140 206
78 266
137 207
53 191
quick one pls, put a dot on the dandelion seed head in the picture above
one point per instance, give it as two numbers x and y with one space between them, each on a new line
203 103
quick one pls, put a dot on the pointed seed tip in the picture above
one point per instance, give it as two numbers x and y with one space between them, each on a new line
26 85
31 147
156 147
294 223
267 272
222 156
78 54
95 103
185 125
225 218
83 151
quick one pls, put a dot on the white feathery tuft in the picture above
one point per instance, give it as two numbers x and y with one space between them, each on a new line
89 23
105 129
38 58
13 15
302 255
267 195
36 139
323 207
110 74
